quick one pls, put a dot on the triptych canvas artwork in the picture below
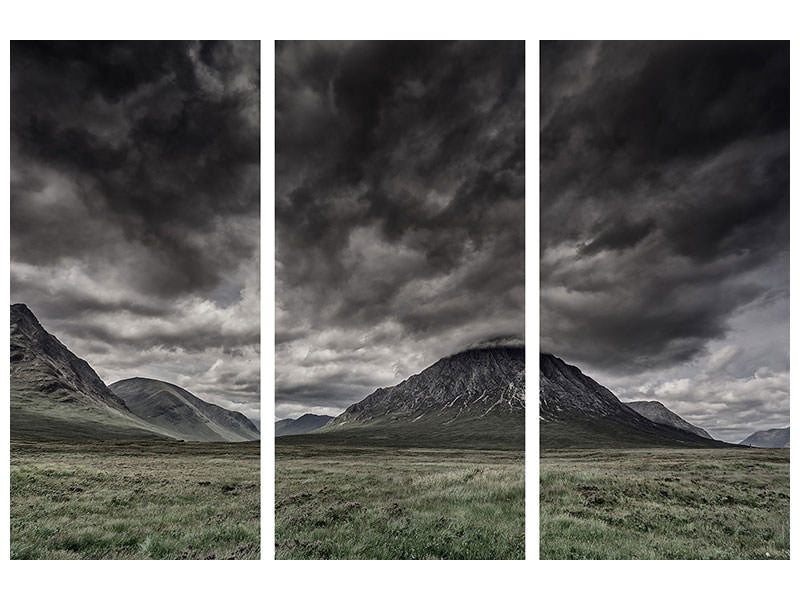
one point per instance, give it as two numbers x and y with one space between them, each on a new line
138 404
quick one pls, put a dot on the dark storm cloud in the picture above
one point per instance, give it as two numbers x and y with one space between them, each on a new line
664 202
157 136
135 199
399 202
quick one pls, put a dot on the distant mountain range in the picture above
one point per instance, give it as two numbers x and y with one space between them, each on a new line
770 438
475 398
305 424
576 411
56 395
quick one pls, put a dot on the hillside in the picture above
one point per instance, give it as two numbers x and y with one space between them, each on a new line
770 438
181 413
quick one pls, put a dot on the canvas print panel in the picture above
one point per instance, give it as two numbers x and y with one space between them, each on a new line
135 377
664 302
400 384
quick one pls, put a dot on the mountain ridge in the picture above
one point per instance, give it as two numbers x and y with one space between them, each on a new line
658 413
57 395
576 411
183 414
777 437
304 424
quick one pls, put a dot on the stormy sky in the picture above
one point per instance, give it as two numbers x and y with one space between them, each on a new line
399 211
135 208
665 224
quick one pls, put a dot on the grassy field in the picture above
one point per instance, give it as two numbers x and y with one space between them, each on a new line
339 502
134 500
491 432
664 504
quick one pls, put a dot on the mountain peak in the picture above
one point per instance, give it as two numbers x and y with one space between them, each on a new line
507 341
21 314
472 384
40 359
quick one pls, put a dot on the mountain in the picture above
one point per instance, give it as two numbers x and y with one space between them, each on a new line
181 413
56 395
771 438
475 398
576 411
658 413
305 424
470 384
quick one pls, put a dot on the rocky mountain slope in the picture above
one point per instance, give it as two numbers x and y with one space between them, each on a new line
576 411
56 395
181 413
658 413
305 424
473 383
770 438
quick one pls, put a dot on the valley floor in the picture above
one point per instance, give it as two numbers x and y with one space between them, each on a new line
664 504
134 500
338 502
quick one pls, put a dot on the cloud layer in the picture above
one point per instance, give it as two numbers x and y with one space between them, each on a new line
135 208
664 223
400 211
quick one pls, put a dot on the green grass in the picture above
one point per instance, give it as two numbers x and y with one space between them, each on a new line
134 500
664 504
338 502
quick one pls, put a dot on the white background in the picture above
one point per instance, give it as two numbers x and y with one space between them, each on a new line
411 19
